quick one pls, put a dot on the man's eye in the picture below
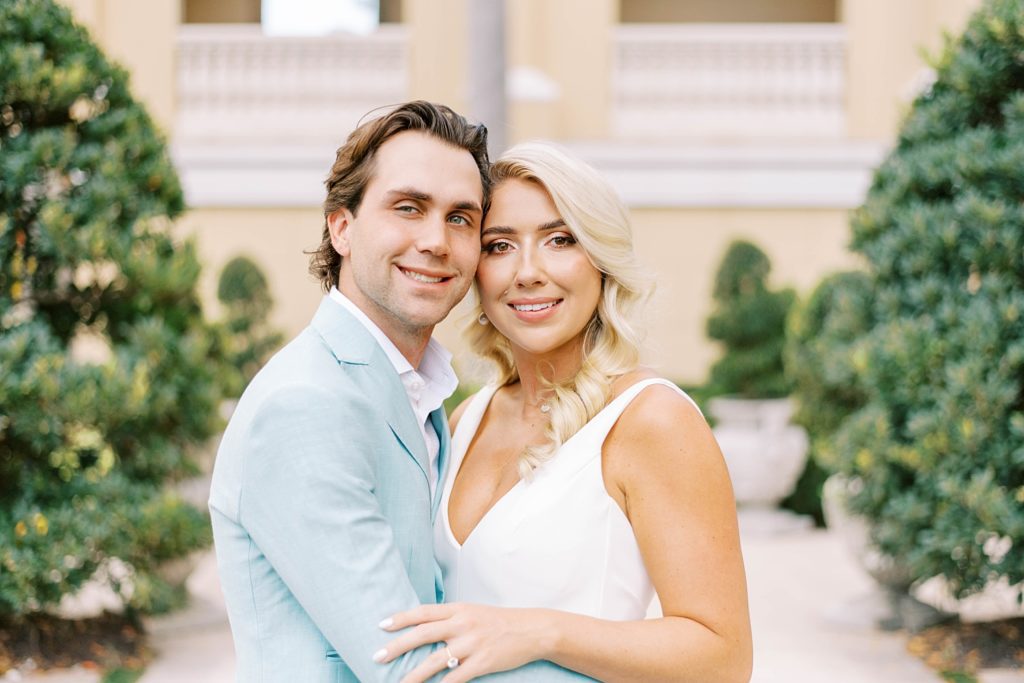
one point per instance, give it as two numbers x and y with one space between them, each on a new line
459 220
406 208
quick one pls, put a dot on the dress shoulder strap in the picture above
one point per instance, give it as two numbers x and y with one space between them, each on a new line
602 423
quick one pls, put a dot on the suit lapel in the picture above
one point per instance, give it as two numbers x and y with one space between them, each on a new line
402 420
352 344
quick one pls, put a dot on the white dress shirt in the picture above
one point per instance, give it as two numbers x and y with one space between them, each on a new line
426 386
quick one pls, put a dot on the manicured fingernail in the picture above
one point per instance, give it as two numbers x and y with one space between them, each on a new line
379 655
386 623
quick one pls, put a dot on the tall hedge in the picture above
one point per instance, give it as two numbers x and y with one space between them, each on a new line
90 440
937 451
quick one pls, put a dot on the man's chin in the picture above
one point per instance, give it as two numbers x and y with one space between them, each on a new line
432 312
427 319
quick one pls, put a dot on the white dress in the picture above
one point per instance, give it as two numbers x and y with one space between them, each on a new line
558 541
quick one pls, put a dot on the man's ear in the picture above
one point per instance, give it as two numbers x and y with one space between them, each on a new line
338 224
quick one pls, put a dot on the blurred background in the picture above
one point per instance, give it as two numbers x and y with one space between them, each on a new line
715 120
829 193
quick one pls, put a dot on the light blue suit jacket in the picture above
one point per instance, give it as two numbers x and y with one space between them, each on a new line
322 512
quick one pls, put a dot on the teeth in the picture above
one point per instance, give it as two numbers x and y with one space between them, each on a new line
419 277
533 307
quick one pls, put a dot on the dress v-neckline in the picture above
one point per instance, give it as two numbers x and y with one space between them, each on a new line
446 499
456 465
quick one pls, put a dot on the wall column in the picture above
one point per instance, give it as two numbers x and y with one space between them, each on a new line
486 70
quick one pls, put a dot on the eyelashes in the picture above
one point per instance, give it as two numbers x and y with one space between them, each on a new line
559 241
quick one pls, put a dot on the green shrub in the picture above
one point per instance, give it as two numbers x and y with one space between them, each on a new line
937 451
247 302
87 447
819 361
750 322
819 358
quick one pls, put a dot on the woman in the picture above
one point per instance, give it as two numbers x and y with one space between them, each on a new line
579 483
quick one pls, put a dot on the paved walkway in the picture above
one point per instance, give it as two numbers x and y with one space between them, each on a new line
796 580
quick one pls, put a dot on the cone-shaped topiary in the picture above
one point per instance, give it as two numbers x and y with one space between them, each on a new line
937 452
246 298
750 322
89 439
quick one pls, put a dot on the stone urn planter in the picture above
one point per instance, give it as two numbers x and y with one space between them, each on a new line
892 606
764 452
765 455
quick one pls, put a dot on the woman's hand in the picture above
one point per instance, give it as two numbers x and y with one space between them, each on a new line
483 639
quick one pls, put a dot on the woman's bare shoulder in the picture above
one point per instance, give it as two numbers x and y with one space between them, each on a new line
657 420
655 406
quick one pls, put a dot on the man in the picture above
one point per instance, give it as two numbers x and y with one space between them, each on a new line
328 477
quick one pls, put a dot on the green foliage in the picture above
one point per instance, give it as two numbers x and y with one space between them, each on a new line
87 447
122 675
818 358
462 392
249 341
937 449
750 322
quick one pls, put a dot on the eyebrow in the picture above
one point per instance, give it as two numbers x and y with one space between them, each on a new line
419 195
506 230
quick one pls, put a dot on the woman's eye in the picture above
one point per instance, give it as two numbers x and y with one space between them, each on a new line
497 247
563 240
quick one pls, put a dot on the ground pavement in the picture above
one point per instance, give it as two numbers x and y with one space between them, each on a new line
795 580
801 583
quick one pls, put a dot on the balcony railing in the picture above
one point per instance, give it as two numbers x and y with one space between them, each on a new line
236 85
737 81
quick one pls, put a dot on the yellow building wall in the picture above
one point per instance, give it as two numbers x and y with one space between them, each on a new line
684 248
438 50
275 239
569 42
141 36
885 42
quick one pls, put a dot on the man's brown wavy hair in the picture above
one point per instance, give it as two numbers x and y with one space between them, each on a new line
354 166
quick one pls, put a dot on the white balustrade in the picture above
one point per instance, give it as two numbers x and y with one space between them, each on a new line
238 86
733 81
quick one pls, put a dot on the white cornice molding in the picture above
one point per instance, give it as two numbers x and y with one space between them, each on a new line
833 174
240 176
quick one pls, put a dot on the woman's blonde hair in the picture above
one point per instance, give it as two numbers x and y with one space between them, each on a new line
595 215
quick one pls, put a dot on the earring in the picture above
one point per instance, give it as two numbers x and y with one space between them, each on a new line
482 319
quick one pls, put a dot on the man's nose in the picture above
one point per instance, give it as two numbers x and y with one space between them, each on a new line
433 236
